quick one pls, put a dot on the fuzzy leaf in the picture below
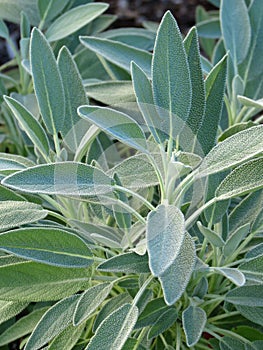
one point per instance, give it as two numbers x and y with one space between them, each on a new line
233 151
164 233
17 213
164 322
30 125
49 9
211 236
209 28
47 82
67 178
49 246
253 269
67 338
89 301
235 239
248 102
244 179
9 309
73 20
4 32
252 313
119 53
251 295
234 275
171 91
153 310
175 279
117 124
11 10
53 322
237 33
115 329
194 320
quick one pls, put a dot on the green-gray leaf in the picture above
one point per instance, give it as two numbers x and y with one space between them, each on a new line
251 295
164 322
115 329
175 279
67 338
244 179
17 213
47 82
50 246
165 234
89 301
194 320
234 275
67 178
9 309
48 10
74 19
253 269
117 124
235 239
211 235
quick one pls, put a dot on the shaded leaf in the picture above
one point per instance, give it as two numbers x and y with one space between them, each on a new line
211 236
153 310
194 320
67 338
235 239
9 309
253 269
251 295
164 322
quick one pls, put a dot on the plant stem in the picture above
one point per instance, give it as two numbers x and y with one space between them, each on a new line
142 289
195 215
223 316
134 194
178 337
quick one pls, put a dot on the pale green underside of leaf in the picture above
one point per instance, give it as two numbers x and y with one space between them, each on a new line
67 178
194 320
50 246
74 19
16 213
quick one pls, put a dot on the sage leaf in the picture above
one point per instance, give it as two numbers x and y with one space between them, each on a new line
31 281
164 322
248 102
16 213
50 246
4 32
236 34
22 327
211 236
252 313
9 195
251 295
47 83
153 310
9 309
172 92
165 234
11 10
119 53
126 263
229 343
67 338
235 239
194 320
234 275
243 179
53 322
89 301
209 28
73 20
30 125
253 269
233 151
66 178
48 10
175 279
117 124
115 329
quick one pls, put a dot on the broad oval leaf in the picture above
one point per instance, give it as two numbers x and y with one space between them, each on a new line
171 91
73 20
253 269
47 82
175 279
67 178
30 125
17 213
31 281
115 329
126 263
53 322
237 33
89 301
194 320
233 151
117 124
47 245
165 232
244 179
252 313
251 295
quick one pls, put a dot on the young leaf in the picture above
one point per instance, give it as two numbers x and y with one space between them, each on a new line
194 320
175 279
165 234
126 263
73 20
49 246
89 301
117 124
215 88
30 125
234 275
237 33
235 239
75 96
53 322
115 329
67 178
243 179
251 295
233 151
164 322
171 91
211 236
119 53
17 213
22 327
31 281
47 82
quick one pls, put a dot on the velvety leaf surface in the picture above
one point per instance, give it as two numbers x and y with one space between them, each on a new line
194 320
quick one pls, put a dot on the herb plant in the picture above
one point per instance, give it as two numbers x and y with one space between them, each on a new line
131 196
